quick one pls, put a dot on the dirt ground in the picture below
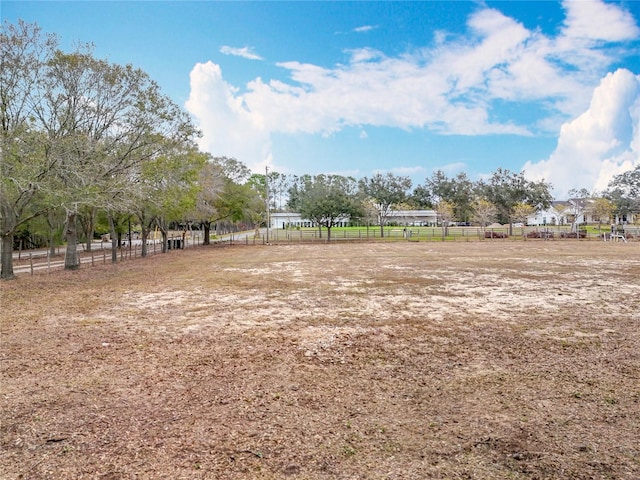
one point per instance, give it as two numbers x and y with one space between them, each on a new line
479 360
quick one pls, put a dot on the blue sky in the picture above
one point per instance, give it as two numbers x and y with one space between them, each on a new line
409 87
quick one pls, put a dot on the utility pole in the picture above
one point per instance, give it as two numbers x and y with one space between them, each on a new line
266 181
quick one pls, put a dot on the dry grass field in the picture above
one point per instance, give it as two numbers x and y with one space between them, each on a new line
478 360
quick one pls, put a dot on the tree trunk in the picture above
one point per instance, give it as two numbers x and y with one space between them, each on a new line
328 234
71 260
90 228
191 236
8 225
207 233
51 222
7 256
146 223
165 240
52 243
114 240
145 236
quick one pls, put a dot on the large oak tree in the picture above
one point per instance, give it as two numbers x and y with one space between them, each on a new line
102 122
506 189
24 168
385 191
328 199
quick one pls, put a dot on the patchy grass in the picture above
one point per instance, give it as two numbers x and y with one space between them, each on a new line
373 361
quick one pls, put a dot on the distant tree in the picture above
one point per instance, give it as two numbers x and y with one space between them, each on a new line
55 221
484 212
118 217
602 209
522 211
87 217
231 168
385 191
273 184
224 193
326 199
420 197
446 213
294 191
506 189
258 184
172 183
464 195
440 187
210 186
237 202
369 212
278 185
624 192
458 191
578 205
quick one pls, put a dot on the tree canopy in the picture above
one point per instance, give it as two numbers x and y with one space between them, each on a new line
76 132
624 192
506 189
327 199
384 191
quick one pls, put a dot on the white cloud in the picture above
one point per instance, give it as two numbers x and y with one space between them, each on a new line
588 27
452 87
372 89
596 20
600 143
228 127
364 28
244 52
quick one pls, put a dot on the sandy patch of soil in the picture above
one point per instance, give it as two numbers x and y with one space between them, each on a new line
373 361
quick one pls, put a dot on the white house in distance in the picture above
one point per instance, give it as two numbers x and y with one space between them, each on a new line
415 218
554 215
293 219
571 211
399 217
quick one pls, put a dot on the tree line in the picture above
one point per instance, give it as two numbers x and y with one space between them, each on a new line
87 145
504 196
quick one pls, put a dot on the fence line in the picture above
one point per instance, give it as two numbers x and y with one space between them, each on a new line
47 262
302 236
394 234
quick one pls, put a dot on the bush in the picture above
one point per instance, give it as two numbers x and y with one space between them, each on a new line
580 234
540 235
